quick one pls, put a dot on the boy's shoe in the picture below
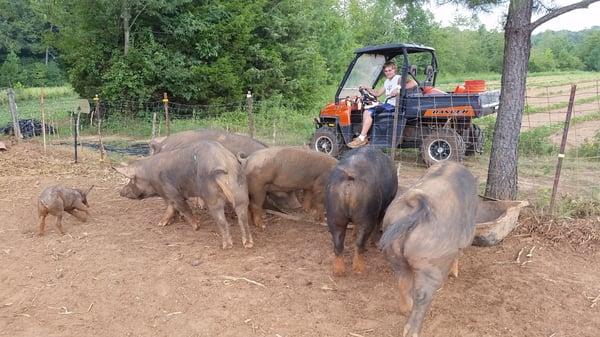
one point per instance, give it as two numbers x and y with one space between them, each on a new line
357 142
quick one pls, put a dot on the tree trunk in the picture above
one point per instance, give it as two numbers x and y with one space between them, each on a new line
126 16
502 172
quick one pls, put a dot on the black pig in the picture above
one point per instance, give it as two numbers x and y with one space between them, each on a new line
359 190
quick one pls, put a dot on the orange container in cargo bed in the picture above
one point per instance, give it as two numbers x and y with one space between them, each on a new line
474 85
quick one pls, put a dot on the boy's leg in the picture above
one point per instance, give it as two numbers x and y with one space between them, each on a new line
367 121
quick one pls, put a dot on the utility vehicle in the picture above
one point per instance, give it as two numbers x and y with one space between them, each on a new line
438 123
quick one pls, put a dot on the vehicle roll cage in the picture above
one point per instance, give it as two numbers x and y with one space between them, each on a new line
390 51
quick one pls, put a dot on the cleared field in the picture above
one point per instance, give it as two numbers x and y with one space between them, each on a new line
120 274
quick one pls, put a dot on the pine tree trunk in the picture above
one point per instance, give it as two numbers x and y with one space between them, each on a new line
502 172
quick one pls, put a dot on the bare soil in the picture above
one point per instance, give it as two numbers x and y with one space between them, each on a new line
531 121
579 134
120 275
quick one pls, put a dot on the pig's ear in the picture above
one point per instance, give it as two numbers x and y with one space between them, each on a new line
127 171
89 189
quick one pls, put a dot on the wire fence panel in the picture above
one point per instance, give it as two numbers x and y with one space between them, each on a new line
127 128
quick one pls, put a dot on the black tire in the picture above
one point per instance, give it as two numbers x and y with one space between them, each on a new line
440 145
327 140
476 140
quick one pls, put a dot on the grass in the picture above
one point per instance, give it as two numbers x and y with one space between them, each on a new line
273 124
276 124
24 94
566 91
566 205
537 109
59 102
589 149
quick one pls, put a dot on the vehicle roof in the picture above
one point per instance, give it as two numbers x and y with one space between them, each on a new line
394 48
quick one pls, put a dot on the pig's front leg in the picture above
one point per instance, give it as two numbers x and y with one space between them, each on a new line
169 214
78 207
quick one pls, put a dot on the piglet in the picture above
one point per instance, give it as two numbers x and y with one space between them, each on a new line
56 199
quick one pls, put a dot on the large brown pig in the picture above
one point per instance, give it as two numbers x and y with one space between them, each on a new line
206 170
359 190
57 199
286 169
425 229
239 145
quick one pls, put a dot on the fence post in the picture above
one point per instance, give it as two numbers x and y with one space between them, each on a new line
563 144
249 102
153 124
43 118
12 106
75 125
597 94
166 104
99 120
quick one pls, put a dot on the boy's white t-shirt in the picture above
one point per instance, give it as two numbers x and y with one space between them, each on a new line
389 86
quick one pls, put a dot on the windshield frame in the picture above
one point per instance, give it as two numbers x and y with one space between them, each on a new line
349 85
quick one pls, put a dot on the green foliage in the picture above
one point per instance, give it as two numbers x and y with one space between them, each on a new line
542 60
535 141
564 50
589 51
9 71
206 53
463 51
590 148
25 30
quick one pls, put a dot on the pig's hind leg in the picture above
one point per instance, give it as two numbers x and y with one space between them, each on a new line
241 211
42 214
59 217
257 199
405 284
337 227
216 208
182 206
427 280
363 228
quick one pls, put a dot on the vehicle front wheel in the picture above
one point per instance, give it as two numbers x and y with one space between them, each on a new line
440 145
327 140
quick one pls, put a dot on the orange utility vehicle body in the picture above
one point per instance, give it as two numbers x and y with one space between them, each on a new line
439 123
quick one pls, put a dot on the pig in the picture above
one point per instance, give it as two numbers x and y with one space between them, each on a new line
206 170
58 199
287 169
240 145
237 144
424 230
358 190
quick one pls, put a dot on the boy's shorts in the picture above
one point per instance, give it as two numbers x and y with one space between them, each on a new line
385 107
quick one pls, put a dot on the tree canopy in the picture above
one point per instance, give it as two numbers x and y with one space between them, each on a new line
213 52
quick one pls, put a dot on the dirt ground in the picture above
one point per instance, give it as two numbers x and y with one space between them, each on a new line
120 275
578 135
531 121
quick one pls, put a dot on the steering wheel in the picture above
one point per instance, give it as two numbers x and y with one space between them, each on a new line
366 96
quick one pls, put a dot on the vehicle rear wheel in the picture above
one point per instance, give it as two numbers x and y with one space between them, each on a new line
440 145
327 140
